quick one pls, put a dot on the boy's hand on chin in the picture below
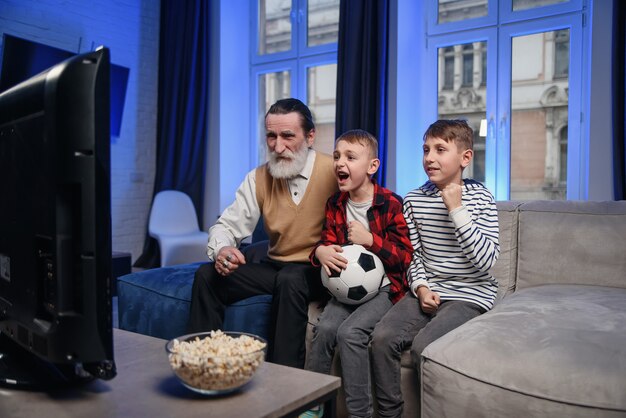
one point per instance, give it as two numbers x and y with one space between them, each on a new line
451 195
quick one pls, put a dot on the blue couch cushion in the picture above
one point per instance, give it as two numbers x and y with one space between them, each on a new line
250 315
156 302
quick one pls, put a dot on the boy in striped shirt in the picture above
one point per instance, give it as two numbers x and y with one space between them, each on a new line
453 227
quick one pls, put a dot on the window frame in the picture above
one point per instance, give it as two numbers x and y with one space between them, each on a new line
576 170
297 61
436 28
256 72
499 35
498 11
489 36
507 15
299 48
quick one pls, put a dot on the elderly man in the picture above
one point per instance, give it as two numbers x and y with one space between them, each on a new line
289 192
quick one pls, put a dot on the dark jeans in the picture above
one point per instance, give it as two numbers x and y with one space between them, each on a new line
292 286
406 325
348 328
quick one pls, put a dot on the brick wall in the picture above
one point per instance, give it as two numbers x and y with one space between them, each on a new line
130 28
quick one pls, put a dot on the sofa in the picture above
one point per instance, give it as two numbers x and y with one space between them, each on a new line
555 343
553 346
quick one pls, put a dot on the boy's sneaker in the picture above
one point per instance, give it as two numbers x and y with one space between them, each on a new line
317 412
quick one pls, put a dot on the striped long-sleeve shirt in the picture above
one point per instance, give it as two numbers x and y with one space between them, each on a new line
454 251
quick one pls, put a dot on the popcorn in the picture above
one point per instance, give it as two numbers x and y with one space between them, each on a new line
217 361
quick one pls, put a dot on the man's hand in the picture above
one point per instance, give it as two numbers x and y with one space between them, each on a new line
451 196
429 300
228 260
330 258
357 234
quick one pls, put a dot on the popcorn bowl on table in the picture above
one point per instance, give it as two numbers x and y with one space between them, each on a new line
215 362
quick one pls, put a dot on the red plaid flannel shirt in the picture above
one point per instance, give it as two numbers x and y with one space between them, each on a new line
388 227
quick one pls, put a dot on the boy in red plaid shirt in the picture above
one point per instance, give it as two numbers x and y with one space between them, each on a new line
364 213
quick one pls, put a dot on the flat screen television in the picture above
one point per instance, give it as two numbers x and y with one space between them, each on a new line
55 225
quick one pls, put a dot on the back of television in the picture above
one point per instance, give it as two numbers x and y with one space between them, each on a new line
55 226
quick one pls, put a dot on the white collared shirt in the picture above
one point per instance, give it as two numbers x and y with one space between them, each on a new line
240 218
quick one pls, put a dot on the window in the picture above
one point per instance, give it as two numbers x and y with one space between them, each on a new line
561 53
466 100
274 26
468 65
563 156
529 4
483 66
272 86
521 74
448 68
457 10
296 56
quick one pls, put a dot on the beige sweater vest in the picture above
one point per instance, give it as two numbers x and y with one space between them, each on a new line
293 229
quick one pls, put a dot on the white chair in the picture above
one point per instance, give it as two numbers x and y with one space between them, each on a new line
174 224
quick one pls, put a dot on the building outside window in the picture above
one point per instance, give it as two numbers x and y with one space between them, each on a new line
468 65
465 99
448 68
561 53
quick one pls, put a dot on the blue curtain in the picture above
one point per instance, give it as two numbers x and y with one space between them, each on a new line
182 118
619 99
362 71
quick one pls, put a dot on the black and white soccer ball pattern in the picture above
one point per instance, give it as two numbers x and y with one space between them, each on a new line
361 279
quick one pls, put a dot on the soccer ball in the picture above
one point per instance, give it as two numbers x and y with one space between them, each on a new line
360 280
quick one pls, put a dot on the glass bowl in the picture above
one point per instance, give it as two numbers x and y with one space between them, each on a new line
215 362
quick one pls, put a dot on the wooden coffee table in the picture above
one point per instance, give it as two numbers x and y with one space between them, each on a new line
146 387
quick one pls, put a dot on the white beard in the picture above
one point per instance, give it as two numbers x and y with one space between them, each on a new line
289 167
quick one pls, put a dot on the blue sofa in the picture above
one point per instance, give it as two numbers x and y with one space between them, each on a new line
156 302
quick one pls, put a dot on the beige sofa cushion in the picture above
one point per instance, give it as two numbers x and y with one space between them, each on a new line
572 242
554 350
505 268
